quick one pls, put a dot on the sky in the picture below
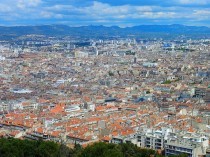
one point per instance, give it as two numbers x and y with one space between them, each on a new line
121 13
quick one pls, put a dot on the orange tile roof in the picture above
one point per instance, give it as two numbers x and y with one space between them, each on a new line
106 138
114 133
127 132
55 133
14 133
58 109
39 130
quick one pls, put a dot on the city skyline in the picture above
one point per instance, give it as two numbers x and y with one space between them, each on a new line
104 12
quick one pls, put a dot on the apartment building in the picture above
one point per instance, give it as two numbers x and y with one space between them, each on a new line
173 143
190 144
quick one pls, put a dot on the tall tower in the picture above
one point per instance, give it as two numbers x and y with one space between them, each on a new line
173 47
135 60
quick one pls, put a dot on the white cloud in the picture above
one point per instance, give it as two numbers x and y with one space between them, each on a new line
202 14
22 4
198 2
5 8
46 14
105 12
99 12
102 10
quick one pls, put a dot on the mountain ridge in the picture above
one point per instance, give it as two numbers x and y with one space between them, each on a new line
100 30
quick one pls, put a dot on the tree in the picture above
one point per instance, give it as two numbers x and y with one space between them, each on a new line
25 148
111 73
167 82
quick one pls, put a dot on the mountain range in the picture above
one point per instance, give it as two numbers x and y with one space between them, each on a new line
103 31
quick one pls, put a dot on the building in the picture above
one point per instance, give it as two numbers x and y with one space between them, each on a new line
191 144
174 143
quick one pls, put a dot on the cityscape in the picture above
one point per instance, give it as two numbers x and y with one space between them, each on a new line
148 85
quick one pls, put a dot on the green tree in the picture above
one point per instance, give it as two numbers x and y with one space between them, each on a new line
48 149
111 73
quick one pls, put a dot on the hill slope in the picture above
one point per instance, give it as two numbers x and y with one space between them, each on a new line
102 31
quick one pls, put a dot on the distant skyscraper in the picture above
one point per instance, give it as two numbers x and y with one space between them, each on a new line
68 46
134 60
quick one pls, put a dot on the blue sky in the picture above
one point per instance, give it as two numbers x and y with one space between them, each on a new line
104 12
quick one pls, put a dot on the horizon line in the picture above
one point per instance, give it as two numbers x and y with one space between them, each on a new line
95 25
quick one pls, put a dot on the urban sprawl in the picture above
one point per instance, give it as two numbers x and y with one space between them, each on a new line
152 93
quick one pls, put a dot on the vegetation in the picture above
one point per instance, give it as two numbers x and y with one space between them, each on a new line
180 49
111 73
167 82
24 148
148 92
24 64
130 53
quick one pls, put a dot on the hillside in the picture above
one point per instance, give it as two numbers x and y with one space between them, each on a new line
103 32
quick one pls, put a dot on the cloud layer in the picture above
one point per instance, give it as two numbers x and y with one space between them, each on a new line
104 12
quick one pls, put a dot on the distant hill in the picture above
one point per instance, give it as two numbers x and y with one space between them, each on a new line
103 31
